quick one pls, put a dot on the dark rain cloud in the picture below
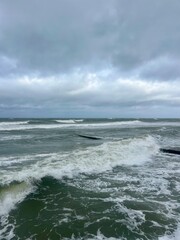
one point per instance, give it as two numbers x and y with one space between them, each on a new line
52 37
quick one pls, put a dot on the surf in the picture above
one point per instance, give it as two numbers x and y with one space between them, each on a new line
95 159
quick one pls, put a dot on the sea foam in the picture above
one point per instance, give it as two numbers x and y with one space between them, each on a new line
81 124
174 236
90 160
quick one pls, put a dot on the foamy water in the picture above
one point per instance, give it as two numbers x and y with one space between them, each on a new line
81 124
119 187
90 160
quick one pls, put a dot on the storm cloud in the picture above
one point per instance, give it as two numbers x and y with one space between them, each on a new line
89 58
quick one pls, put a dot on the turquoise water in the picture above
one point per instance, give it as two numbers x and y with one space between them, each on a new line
57 185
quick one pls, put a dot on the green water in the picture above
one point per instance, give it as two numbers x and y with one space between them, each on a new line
57 185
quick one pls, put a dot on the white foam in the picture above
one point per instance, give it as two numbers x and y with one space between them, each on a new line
9 127
90 160
111 124
70 123
79 123
6 126
65 124
14 137
12 195
13 123
66 121
7 161
9 198
100 236
79 120
11 160
174 236
133 218
7 229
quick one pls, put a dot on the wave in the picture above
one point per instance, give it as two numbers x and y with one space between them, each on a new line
12 194
69 121
63 124
90 160
79 120
18 182
40 121
81 124
13 123
66 121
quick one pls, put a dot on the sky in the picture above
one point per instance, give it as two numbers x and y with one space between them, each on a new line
90 58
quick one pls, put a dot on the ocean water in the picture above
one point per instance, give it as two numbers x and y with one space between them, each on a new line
55 184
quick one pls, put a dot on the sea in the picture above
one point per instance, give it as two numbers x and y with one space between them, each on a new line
55 184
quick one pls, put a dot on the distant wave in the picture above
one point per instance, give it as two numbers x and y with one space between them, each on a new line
128 122
36 121
33 124
69 121
82 124
110 124
79 120
13 123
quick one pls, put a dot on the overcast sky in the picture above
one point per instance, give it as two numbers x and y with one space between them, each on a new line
90 58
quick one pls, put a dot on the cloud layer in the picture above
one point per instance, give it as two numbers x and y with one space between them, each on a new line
89 57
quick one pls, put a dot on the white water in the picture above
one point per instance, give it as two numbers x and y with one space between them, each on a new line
95 160
23 125
174 236
90 160
135 153
9 198
13 194
69 121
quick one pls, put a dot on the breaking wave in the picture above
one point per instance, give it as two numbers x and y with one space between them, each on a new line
92 160
71 121
81 124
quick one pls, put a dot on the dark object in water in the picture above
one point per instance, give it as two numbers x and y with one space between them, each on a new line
90 137
172 151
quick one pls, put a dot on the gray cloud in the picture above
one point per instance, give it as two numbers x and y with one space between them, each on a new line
81 56
50 36
87 91
58 36
163 69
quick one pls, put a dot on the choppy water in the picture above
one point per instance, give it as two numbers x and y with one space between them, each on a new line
57 185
